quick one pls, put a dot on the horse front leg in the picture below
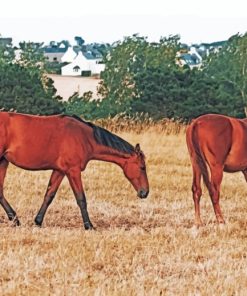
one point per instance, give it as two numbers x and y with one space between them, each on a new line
8 209
54 182
74 176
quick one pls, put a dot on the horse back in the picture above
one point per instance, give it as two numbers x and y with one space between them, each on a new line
221 140
37 142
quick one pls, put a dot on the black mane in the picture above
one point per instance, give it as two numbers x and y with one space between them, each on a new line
106 138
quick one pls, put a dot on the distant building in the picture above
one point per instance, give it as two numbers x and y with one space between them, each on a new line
191 58
55 51
69 55
5 42
82 63
193 55
204 49
78 60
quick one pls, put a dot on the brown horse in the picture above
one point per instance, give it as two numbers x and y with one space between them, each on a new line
64 145
216 143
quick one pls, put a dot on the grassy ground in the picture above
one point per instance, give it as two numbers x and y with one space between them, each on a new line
140 247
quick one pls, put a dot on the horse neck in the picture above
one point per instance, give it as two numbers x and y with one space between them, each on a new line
105 153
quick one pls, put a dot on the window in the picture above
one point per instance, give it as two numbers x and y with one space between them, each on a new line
76 69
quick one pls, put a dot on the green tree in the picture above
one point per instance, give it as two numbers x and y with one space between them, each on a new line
132 67
23 84
118 78
142 78
228 68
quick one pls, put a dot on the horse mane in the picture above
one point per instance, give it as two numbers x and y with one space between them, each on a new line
106 138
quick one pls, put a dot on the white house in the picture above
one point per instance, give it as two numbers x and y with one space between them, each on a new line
54 52
83 62
190 58
68 56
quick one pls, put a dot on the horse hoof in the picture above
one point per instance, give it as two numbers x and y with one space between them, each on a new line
89 226
198 225
38 225
194 231
16 223
222 226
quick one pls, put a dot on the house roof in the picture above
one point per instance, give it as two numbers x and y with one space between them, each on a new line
88 52
5 41
214 44
190 59
89 55
55 50
56 47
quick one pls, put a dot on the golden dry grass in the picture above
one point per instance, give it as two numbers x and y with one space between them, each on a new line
140 247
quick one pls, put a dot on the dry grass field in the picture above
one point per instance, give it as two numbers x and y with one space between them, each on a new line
140 247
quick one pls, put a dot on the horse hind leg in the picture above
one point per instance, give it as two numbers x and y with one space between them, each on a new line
4 203
54 182
214 190
245 174
197 193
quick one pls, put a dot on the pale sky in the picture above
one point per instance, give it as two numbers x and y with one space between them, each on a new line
110 20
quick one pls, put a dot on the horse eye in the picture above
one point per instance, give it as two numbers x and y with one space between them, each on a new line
143 168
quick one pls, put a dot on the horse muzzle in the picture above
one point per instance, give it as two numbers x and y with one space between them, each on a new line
142 193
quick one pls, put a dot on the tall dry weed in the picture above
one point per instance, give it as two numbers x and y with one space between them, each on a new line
140 125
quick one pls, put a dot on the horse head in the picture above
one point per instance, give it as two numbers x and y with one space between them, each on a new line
135 171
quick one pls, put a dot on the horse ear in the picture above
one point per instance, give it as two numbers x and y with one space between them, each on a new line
137 148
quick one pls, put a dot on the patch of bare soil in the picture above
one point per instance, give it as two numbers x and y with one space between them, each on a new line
67 85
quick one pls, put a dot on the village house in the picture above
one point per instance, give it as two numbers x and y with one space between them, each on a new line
78 60
81 64
191 58
193 55
55 51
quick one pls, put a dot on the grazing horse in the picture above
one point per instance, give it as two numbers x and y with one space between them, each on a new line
65 145
216 144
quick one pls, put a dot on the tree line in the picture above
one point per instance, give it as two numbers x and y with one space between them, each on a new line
141 79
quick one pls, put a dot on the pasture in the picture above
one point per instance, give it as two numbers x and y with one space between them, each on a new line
140 247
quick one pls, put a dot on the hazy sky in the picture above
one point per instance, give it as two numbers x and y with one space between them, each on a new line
110 20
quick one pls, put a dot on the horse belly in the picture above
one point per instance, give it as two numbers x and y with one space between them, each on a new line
235 163
31 159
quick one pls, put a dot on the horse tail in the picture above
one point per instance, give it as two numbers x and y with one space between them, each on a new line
196 154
